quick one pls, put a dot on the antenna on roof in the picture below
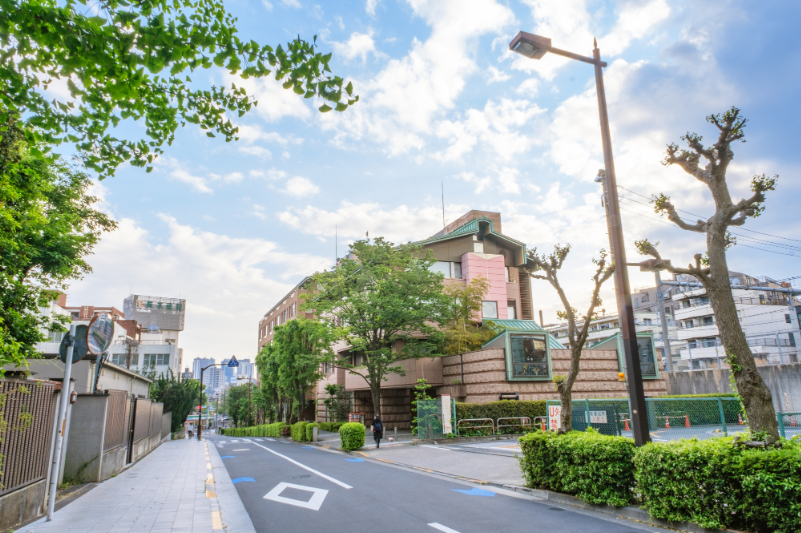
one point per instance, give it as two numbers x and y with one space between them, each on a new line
336 245
442 184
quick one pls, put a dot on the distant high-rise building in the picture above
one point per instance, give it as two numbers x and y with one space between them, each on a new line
198 364
246 370
229 372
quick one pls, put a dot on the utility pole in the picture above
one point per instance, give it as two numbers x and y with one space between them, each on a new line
64 399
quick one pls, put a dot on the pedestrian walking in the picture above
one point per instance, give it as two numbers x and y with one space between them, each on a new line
378 430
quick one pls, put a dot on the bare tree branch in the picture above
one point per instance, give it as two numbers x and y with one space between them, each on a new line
662 205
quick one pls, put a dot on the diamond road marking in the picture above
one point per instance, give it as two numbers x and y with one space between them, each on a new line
318 495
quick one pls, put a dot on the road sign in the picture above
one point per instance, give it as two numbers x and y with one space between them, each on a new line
233 361
79 349
100 333
554 417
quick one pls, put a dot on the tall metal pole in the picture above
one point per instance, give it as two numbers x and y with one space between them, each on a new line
660 301
200 404
636 393
62 415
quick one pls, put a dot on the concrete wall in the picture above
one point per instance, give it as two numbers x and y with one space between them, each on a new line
22 504
145 446
784 382
485 377
85 446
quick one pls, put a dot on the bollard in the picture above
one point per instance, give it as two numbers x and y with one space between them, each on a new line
396 433
314 434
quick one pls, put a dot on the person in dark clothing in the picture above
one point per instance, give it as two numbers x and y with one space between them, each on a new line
378 430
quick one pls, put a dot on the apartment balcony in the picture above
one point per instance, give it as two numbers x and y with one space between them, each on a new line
694 311
685 333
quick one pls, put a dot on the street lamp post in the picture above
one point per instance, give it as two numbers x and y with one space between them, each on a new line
232 362
535 47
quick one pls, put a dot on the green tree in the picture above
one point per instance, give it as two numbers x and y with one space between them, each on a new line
48 226
578 327
267 365
338 402
389 305
178 397
464 330
236 405
709 165
129 62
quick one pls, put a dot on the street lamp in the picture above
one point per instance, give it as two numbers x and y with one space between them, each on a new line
535 47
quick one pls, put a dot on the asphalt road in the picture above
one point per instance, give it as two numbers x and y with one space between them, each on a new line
288 487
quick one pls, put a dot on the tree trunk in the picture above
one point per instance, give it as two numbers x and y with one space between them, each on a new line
375 391
755 395
565 389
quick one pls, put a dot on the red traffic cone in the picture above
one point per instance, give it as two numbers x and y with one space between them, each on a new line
792 420
740 418
543 425
626 428
667 422
686 421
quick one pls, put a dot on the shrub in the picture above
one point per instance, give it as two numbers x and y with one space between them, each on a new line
310 431
771 489
352 436
713 395
299 431
591 466
499 409
274 430
331 426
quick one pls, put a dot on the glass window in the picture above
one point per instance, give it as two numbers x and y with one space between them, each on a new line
506 271
478 247
157 359
510 309
457 270
646 350
489 309
441 267
647 321
636 303
119 359
645 298
787 319
56 336
529 356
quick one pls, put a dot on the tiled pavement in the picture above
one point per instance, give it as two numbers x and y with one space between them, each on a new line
166 491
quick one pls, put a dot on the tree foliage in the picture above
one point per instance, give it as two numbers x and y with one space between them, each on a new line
178 397
709 165
49 224
127 60
464 330
236 403
387 304
338 402
578 326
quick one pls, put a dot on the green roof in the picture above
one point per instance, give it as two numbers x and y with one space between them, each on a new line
522 326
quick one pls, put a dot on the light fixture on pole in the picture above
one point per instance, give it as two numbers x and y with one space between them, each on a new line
535 47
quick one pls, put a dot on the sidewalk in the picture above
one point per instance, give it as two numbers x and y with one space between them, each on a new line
167 491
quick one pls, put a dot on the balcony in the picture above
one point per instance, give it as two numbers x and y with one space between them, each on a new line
697 332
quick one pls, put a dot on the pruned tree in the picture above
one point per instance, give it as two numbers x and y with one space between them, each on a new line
709 164
578 326
464 330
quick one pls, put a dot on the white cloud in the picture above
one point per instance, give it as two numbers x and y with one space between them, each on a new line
300 187
370 6
228 282
259 211
505 180
291 3
495 75
359 45
258 151
231 177
196 182
399 224
267 5
530 87
275 102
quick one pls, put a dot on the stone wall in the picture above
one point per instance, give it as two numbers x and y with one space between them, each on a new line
485 376
396 407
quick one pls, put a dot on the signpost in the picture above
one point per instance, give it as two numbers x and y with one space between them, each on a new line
62 415
231 363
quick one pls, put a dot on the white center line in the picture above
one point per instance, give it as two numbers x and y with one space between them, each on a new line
313 471
442 528
242 450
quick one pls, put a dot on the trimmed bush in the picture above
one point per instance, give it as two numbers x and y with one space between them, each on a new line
310 430
594 467
331 426
718 485
299 431
713 395
352 436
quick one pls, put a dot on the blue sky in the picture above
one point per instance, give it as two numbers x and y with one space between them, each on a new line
232 227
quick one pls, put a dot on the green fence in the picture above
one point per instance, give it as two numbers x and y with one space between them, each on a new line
789 424
668 418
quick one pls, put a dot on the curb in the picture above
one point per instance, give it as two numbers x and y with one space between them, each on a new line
228 511
466 440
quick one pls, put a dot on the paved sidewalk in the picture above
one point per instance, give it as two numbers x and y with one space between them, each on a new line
164 492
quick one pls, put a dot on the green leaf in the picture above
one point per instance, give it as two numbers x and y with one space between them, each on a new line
325 108
349 89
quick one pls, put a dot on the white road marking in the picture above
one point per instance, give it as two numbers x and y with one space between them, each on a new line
313 471
442 528
318 495
242 450
436 447
269 439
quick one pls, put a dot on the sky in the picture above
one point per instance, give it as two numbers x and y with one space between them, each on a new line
444 105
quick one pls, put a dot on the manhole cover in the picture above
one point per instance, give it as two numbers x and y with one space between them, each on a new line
555 509
304 477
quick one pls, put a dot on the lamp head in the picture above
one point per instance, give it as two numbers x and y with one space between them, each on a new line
530 45
601 176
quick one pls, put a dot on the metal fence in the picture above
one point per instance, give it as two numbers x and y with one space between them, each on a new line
28 408
116 420
668 418
166 424
789 424
430 419
141 419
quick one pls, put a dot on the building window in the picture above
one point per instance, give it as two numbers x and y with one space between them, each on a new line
157 359
707 321
647 321
478 247
55 336
529 356
448 269
511 310
283 316
506 272
292 309
457 270
636 303
668 310
645 298
646 350
788 319
119 359
489 309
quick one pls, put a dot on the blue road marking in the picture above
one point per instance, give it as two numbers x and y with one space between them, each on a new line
227 457
355 460
307 447
241 479
475 492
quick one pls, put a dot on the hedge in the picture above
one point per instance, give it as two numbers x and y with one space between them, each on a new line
299 431
718 485
331 426
352 436
712 395
591 466
264 430
712 483
310 430
500 409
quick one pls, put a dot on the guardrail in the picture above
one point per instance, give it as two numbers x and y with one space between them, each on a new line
525 423
483 424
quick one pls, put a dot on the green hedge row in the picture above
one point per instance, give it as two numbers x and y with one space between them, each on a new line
299 431
264 430
711 482
331 426
352 436
310 430
500 409
713 395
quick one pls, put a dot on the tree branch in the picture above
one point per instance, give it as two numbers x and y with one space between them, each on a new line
662 205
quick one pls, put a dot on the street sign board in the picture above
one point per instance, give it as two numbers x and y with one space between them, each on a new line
598 417
554 417
233 361
100 333
79 349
